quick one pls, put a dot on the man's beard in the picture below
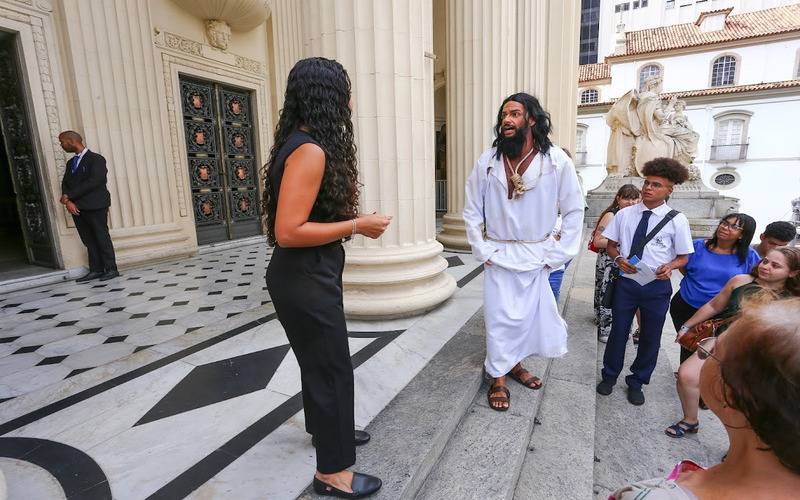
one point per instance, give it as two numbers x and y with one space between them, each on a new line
512 146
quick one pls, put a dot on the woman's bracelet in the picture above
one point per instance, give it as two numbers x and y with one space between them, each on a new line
617 257
353 234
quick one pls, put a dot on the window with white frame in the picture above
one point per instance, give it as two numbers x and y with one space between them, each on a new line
723 71
648 72
730 136
580 144
589 96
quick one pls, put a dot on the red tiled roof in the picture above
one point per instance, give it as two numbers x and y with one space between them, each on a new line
737 27
714 91
591 72
708 13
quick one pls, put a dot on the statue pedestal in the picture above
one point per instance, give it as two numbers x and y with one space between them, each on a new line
703 206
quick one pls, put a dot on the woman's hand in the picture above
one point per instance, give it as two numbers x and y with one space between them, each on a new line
372 225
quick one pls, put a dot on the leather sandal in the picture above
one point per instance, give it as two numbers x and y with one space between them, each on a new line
681 428
525 378
495 402
363 485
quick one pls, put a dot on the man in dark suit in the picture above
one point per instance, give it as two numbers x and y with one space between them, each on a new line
84 192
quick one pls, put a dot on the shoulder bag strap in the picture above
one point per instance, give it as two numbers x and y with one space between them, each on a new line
671 215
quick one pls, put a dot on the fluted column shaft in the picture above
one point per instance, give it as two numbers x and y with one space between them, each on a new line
117 106
287 25
384 44
481 72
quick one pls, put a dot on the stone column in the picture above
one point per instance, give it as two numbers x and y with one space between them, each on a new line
481 72
112 79
385 46
287 25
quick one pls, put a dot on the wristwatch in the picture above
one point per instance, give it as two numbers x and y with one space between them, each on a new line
683 329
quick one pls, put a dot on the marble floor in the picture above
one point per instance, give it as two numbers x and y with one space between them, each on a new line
177 381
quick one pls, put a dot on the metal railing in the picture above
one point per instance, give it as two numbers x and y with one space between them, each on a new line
729 151
441 195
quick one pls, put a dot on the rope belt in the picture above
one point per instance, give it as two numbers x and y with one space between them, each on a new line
517 241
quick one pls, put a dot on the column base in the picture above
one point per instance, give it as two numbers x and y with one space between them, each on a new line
390 283
454 233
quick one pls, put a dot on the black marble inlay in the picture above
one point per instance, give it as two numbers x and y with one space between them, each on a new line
454 261
180 303
3 400
227 270
151 281
215 462
469 277
181 274
115 339
116 309
218 292
139 315
220 281
23 350
205 308
142 347
95 304
66 323
76 472
100 286
201 277
247 274
58 295
230 315
6 340
11 305
160 297
218 381
170 285
76 299
26 311
240 297
192 288
134 294
116 290
163 271
88 330
265 302
249 265
165 322
189 330
77 371
46 316
244 284
51 360
135 278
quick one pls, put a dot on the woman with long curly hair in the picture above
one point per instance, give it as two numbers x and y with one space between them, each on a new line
777 276
311 206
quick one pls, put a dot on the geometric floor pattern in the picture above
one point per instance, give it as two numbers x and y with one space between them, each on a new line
210 407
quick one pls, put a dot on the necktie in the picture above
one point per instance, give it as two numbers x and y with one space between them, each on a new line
641 233
75 160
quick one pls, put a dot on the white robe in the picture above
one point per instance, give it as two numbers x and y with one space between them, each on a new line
521 314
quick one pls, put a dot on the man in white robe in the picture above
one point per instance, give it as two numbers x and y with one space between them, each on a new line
513 198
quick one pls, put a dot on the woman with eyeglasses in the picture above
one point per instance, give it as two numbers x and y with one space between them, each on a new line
714 261
751 381
776 276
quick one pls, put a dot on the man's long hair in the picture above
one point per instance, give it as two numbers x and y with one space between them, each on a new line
541 129
317 97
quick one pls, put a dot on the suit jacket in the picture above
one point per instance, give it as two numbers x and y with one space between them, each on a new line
87 186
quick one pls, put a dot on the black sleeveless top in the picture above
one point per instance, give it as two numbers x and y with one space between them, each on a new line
294 141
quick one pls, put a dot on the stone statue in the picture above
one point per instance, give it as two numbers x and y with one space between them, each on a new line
218 33
644 127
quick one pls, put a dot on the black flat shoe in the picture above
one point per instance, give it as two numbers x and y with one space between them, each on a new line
635 396
359 438
88 277
109 275
363 485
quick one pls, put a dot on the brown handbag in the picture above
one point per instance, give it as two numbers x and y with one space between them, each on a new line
700 331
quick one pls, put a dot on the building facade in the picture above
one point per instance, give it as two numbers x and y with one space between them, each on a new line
738 74
181 97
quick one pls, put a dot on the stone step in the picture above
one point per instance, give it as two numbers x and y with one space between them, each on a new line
409 434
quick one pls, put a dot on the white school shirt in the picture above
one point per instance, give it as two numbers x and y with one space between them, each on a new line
674 239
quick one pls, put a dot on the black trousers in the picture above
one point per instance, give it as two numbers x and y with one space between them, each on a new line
652 301
92 226
305 285
680 312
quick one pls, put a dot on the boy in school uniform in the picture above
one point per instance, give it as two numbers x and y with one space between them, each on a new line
645 268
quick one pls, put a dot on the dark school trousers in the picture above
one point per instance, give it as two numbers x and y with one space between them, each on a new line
653 301
680 312
92 226
305 285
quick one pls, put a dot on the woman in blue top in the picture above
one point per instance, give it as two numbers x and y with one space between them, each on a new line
713 263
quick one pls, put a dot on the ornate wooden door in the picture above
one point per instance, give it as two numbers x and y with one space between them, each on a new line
19 145
218 130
